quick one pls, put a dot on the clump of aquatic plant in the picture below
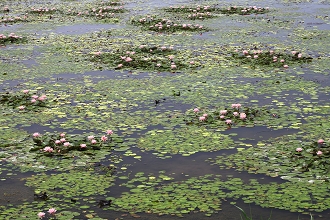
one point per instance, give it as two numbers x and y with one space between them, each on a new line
244 10
43 10
229 116
5 9
269 58
156 24
11 20
154 58
193 13
313 156
101 13
50 214
11 38
60 144
23 101
111 3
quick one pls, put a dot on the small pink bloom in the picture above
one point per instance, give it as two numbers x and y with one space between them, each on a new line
320 141
36 135
173 66
25 91
299 55
282 61
128 59
58 142
33 101
255 56
41 98
202 118
35 96
83 145
66 144
228 121
21 107
104 138
271 51
120 65
319 153
286 66
52 211
196 110
299 149
223 112
158 64
205 115
222 116
48 149
293 52
191 62
62 135
236 114
109 132
93 141
90 137
41 214
242 116
62 140
245 52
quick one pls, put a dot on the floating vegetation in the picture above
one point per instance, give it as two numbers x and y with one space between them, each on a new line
156 24
24 101
184 141
61 144
193 13
237 115
11 38
11 20
43 10
269 58
244 10
152 58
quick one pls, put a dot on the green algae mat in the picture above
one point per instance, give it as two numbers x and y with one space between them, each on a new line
164 109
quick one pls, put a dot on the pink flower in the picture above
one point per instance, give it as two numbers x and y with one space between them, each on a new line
196 110
286 66
35 96
191 62
21 107
109 132
104 138
158 64
120 65
52 211
62 134
223 112
25 91
33 100
93 141
205 115
173 66
299 55
90 137
41 214
236 105
319 153
282 61
41 98
57 142
83 145
245 52
202 118
222 116
293 52
236 114
48 149
271 52
320 141
36 135
255 56
299 149
62 140
66 144
171 57
128 59
242 116
228 121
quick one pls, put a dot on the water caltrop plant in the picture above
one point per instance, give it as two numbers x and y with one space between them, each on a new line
270 58
153 23
235 115
60 144
24 101
154 58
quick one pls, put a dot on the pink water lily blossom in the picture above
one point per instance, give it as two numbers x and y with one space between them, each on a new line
36 135
52 211
93 141
21 107
48 149
196 110
83 145
62 140
223 112
62 134
66 144
91 137
235 114
320 141
25 91
202 118
109 132
58 142
104 138
285 66
33 101
41 214
228 122
242 116
319 153
299 149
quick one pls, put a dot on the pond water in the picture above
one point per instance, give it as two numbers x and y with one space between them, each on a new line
178 147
